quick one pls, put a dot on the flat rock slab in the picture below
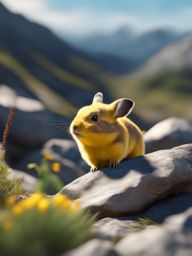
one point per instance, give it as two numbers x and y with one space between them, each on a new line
136 184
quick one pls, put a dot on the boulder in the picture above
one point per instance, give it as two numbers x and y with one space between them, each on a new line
28 181
66 149
32 124
94 247
169 133
172 238
63 151
135 184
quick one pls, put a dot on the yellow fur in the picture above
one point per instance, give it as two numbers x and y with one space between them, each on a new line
109 140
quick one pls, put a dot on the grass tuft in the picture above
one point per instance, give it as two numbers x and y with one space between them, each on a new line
8 186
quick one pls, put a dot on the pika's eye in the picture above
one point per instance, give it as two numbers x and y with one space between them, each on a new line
94 118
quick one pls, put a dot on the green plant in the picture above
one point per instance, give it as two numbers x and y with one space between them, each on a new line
142 222
41 225
8 186
48 180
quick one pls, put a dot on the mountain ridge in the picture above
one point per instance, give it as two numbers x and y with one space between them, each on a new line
127 45
162 85
32 55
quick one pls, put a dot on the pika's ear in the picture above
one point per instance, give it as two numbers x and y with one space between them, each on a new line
122 107
98 97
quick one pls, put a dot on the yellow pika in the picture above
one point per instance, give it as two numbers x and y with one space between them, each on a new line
104 135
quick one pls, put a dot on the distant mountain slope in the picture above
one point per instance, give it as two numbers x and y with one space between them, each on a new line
123 43
175 57
163 86
38 64
105 43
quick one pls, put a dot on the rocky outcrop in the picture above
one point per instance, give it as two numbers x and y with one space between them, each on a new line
135 199
114 229
169 133
172 238
136 184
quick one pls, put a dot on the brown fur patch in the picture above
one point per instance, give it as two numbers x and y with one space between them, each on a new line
133 130
119 139
105 127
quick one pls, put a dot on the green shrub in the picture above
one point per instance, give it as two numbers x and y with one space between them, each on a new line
8 186
40 225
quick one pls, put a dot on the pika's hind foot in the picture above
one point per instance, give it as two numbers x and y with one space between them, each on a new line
93 169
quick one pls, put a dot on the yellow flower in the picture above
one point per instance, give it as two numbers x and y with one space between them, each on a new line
36 197
56 167
17 209
47 155
58 199
63 202
43 205
27 203
7 224
30 202
10 200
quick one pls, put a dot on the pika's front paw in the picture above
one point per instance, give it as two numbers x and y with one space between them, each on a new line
114 165
93 169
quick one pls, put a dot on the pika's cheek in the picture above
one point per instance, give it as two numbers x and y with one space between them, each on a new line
94 129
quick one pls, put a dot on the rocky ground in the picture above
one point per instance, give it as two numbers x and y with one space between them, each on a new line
143 207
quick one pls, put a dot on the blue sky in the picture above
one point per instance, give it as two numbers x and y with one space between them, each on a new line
82 17
134 6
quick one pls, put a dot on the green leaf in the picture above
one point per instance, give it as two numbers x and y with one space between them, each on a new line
32 166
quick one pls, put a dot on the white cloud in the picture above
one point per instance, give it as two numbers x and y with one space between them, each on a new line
83 21
25 6
76 21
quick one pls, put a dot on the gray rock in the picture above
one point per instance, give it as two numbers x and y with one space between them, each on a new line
94 247
136 184
172 238
169 133
31 125
168 207
66 149
63 151
112 228
28 181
